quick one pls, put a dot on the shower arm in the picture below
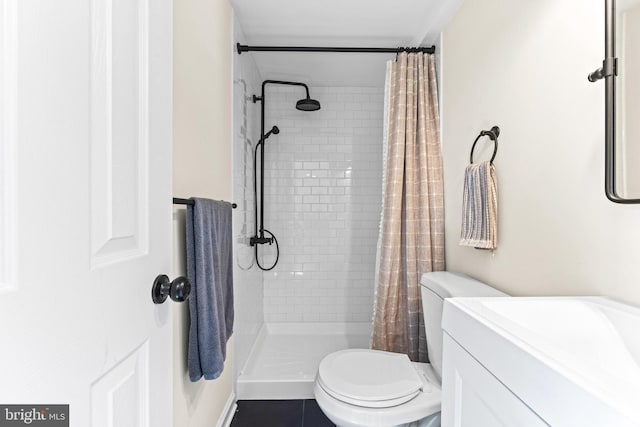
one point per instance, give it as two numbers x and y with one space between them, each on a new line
261 239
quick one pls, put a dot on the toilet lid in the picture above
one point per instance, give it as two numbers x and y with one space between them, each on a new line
369 378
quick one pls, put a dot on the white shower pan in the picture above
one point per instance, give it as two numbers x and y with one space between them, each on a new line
285 357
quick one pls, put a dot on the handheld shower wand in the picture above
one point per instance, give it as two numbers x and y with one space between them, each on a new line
274 130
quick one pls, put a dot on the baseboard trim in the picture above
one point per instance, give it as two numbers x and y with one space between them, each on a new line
228 411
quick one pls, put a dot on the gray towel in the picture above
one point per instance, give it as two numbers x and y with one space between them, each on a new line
210 270
480 207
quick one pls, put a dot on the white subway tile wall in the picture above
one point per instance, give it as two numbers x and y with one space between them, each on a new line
322 201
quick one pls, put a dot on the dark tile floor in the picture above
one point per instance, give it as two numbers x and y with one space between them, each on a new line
279 413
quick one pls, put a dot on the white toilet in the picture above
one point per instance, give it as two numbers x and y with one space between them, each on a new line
370 388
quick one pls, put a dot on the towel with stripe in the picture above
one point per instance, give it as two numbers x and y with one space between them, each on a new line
480 207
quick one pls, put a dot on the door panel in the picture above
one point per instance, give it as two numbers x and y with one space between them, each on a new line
120 397
85 214
119 123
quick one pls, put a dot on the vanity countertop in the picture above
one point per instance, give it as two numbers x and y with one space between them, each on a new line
572 360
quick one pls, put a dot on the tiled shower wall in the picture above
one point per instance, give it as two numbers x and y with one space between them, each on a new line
322 201
248 280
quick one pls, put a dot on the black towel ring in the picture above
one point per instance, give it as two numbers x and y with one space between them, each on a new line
493 135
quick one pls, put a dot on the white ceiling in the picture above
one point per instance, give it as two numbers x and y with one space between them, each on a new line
351 23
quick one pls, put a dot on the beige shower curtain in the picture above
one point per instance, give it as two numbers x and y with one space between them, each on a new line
412 230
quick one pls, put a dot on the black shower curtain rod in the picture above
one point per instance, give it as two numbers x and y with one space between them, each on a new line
245 48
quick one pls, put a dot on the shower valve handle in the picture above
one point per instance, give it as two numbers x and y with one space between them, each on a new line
255 240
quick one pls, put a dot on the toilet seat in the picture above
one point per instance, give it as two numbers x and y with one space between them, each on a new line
370 378
425 406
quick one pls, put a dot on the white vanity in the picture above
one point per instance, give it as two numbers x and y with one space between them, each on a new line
559 361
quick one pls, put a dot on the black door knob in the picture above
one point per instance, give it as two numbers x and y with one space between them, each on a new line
162 288
180 289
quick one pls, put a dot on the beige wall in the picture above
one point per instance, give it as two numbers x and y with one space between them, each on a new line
523 65
202 167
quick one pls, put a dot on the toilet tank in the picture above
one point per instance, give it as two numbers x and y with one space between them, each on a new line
437 286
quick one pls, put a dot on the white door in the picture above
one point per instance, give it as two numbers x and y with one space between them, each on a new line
85 209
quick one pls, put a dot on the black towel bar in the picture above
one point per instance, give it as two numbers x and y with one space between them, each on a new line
177 201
